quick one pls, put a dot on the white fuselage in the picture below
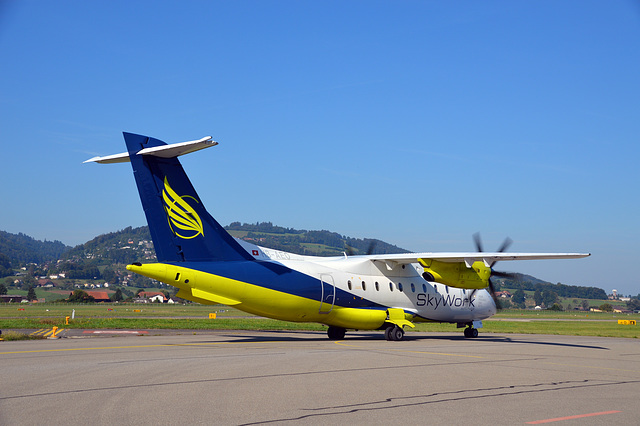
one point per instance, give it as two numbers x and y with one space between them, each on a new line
394 286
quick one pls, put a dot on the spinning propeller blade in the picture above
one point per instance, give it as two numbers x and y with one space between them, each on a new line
505 245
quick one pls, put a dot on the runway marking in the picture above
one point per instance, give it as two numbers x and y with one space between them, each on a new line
579 416
46 332
415 352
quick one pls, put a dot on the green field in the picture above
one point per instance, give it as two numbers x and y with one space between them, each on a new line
196 317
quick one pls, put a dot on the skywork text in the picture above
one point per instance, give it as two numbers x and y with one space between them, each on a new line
436 301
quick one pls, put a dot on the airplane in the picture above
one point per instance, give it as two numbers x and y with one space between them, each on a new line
387 292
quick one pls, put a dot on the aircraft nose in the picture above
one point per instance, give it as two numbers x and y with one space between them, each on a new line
488 305
493 309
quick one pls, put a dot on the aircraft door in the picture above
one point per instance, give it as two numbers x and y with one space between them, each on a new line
327 295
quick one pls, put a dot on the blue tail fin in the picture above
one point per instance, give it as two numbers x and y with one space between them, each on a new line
180 226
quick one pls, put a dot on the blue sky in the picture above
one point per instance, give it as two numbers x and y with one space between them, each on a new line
415 122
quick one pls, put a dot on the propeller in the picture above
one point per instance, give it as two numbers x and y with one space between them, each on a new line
351 251
348 250
503 247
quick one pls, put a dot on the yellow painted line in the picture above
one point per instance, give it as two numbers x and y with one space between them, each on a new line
413 352
45 332
50 332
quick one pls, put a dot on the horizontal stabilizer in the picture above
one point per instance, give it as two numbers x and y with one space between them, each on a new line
164 151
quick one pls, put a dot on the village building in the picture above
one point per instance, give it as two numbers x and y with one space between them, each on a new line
11 298
100 296
153 296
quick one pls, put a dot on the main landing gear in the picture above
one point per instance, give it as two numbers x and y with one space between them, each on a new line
470 332
393 332
336 333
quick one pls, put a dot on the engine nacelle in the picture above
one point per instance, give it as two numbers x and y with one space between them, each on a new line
457 274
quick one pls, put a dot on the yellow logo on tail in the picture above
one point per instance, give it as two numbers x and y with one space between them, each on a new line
183 219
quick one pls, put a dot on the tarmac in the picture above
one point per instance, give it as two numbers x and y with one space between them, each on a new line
253 377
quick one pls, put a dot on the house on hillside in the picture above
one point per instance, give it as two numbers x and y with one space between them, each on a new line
45 283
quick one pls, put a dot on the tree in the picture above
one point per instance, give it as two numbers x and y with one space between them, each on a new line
606 307
537 297
3 289
109 275
504 303
633 304
585 305
31 294
117 297
518 298
556 307
80 296
29 281
5 266
549 297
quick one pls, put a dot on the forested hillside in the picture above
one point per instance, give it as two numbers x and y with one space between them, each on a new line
316 243
126 246
19 249
529 283
105 256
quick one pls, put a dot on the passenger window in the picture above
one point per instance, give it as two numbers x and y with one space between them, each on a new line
413 288
424 288
377 286
390 286
364 285
400 287
349 284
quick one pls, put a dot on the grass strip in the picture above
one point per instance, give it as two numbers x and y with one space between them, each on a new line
564 327
14 335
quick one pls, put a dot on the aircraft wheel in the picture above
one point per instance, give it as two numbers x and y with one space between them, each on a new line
336 333
470 333
394 333
387 332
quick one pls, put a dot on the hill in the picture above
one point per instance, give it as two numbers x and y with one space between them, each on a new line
316 243
529 283
17 250
104 257
121 247
134 244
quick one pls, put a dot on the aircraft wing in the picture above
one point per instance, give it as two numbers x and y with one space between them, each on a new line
486 257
